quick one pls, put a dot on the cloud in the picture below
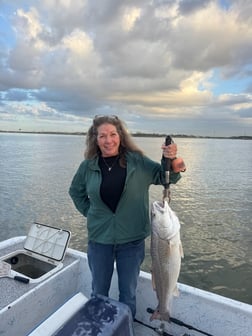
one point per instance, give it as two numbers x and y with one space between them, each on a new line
144 60
190 6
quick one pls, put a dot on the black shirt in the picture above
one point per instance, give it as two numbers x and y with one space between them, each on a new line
113 180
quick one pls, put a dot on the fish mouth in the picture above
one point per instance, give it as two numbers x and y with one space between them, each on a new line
158 206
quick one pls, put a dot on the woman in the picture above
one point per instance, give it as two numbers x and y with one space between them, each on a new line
111 188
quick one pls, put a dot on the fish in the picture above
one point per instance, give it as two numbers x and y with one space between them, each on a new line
166 253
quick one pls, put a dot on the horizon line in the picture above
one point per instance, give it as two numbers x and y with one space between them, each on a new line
136 134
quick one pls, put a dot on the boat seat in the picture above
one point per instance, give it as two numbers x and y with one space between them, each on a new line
55 321
99 315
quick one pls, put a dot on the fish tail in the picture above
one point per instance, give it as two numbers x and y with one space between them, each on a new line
165 317
160 316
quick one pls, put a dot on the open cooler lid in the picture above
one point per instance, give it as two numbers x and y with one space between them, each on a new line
47 241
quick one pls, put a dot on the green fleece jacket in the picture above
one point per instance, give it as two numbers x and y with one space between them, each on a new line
131 220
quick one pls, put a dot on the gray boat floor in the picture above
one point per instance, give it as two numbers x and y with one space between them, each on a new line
141 330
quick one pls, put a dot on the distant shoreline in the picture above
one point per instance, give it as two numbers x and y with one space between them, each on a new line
138 134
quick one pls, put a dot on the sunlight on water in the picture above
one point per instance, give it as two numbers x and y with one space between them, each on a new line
213 201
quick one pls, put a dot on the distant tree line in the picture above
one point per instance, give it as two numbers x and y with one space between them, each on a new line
139 134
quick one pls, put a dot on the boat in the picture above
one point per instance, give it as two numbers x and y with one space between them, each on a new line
52 294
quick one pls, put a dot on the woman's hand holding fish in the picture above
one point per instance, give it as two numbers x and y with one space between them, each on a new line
169 151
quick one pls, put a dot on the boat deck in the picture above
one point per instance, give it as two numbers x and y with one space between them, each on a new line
24 307
12 291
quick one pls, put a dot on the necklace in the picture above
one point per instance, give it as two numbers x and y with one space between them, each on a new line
111 165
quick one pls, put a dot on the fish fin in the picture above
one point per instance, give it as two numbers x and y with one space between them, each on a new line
153 281
160 316
181 250
176 291
155 316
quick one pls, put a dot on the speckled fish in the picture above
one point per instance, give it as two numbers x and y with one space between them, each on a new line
166 253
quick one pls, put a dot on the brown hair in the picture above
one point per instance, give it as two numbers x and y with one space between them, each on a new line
126 142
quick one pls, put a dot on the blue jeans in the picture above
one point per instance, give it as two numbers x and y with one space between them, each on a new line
128 258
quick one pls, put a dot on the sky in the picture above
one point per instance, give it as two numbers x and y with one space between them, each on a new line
162 66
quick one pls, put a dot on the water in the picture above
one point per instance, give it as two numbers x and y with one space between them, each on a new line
213 201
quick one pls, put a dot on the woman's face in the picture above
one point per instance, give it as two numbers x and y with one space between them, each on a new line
108 140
